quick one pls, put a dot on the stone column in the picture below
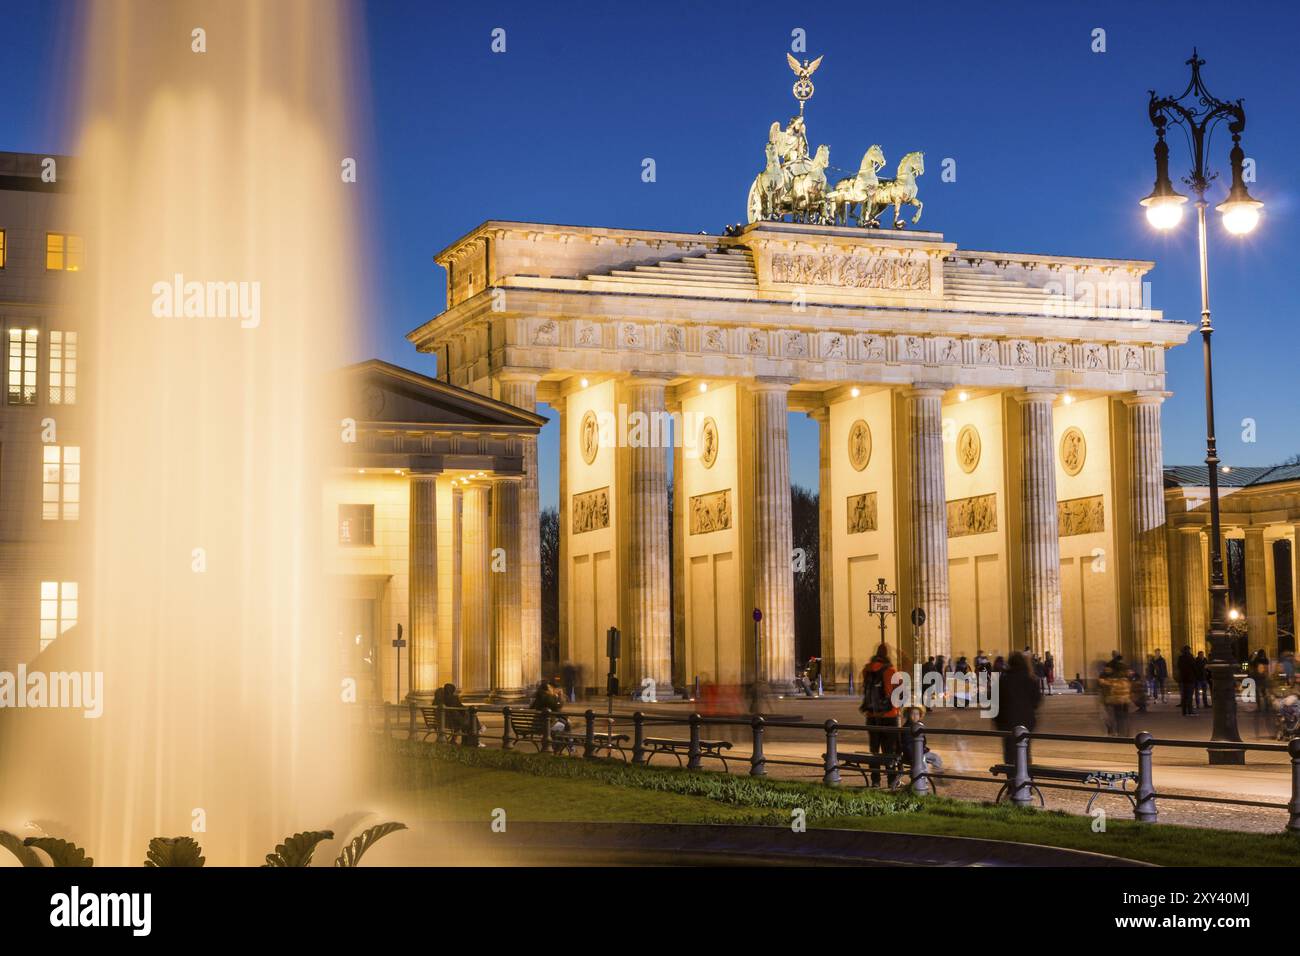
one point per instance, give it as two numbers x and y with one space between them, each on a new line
422 584
1195 590
1257 592
825 560
773 532
1147 543
476 590
564 639
457 675
678 524
1040 543
929 519
520 389
506 568
649 603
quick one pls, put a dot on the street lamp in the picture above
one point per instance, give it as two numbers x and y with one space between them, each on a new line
1198 112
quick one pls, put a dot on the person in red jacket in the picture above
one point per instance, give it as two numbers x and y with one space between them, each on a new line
877 704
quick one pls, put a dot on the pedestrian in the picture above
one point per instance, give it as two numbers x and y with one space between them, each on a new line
878 706
549 705
1288 667
1049 670
569 676
1201 675
1018 699
1259 672
1040 674
1188 679
1116 692
1160 676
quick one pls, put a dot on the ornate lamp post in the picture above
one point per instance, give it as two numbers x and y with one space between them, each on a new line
1198 112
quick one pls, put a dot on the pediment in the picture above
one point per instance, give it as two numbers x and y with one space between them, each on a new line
380 393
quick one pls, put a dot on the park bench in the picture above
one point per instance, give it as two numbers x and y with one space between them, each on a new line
571 740
1102 781
890 764
449 734
667 745
529 725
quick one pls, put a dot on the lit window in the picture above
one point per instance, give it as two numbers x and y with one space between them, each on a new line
58 609
63 368
64 253
22 366
356 525
2 248
61 483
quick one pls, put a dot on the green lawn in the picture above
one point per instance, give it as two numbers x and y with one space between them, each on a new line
451 783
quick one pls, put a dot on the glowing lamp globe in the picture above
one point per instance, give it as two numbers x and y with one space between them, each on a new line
1165 213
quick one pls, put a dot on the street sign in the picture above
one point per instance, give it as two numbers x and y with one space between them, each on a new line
918 616
758 615
886 603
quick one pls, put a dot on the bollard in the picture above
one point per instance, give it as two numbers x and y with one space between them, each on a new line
589 742
757 762
831 759
442 722
471 733
638 737
920 777
1293 748
1144 801
410 728
505 731
693 761
1022 793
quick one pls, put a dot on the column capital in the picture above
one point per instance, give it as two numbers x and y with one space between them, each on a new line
1037 393
819 415
1253 530
1152 397
423 474
925 390
771 383
645 379
519 374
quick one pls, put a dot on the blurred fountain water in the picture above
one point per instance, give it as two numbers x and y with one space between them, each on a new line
210 163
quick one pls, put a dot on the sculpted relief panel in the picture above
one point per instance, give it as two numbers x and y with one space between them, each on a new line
711 512
906 273
1080 516
591 511
862 512
977 515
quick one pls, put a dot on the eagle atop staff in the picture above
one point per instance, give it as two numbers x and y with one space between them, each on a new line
803 88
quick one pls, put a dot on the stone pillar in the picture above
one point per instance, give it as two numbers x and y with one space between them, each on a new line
520 389
684 681
773 532
506 569
929 520
565 640
1040 543
476 590
1257 592
1195 590
649 603
1147 542
422 584
457 675
825 560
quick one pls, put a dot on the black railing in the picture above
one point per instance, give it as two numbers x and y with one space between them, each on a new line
1019 785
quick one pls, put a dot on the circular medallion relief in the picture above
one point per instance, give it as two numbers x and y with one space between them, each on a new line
968 448
1074 451
859 445
374 401
709 442
589 437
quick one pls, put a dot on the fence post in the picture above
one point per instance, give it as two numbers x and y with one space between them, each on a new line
1022 793
831 759
638 737
505 732
471 727
546 730
410 727
1293 748
920 776
1144 802
693 761
442 722
589 744
757 762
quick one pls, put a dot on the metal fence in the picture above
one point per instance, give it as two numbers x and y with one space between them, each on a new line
449 724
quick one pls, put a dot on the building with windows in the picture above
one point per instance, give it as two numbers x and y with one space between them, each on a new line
41 428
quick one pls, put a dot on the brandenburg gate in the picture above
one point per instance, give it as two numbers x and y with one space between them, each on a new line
989 431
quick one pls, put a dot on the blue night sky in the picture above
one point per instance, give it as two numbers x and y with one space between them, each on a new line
1051 141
